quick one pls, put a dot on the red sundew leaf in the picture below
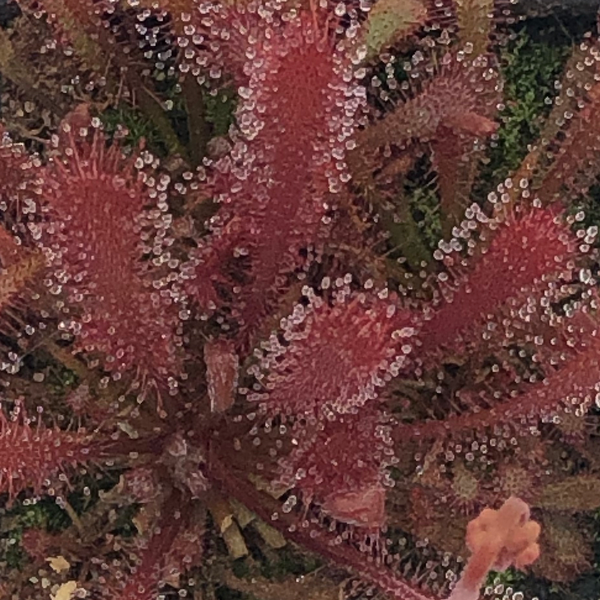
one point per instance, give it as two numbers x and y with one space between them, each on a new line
144 584
340 464
214 38
31 455
365 508
576 165
471 123
578 378
92 240
225 40
525 253
297 98
325 543
452 158
335 357
187 549
463 97
455 156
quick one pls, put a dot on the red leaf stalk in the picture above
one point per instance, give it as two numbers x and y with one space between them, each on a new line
173 545
575 381
316 540
462 98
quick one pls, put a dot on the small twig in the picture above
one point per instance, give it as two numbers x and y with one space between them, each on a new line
73 516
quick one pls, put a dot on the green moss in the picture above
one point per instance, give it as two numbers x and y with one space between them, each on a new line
45 514
530 66
220 110
508 578
240 568
424 206
138 127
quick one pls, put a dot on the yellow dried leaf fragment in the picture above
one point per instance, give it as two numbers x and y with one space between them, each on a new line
65 591
58 563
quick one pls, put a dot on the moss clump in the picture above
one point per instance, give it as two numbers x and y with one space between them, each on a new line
531 63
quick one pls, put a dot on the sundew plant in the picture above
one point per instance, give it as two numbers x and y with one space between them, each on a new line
291 307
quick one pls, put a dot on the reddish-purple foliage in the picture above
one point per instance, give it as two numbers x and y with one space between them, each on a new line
463 98
526 253
93 237
340 462
173 545
296 112
30 454
573 384
334 357
150 569
348 377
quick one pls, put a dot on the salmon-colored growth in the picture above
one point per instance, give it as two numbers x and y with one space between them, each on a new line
497 540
